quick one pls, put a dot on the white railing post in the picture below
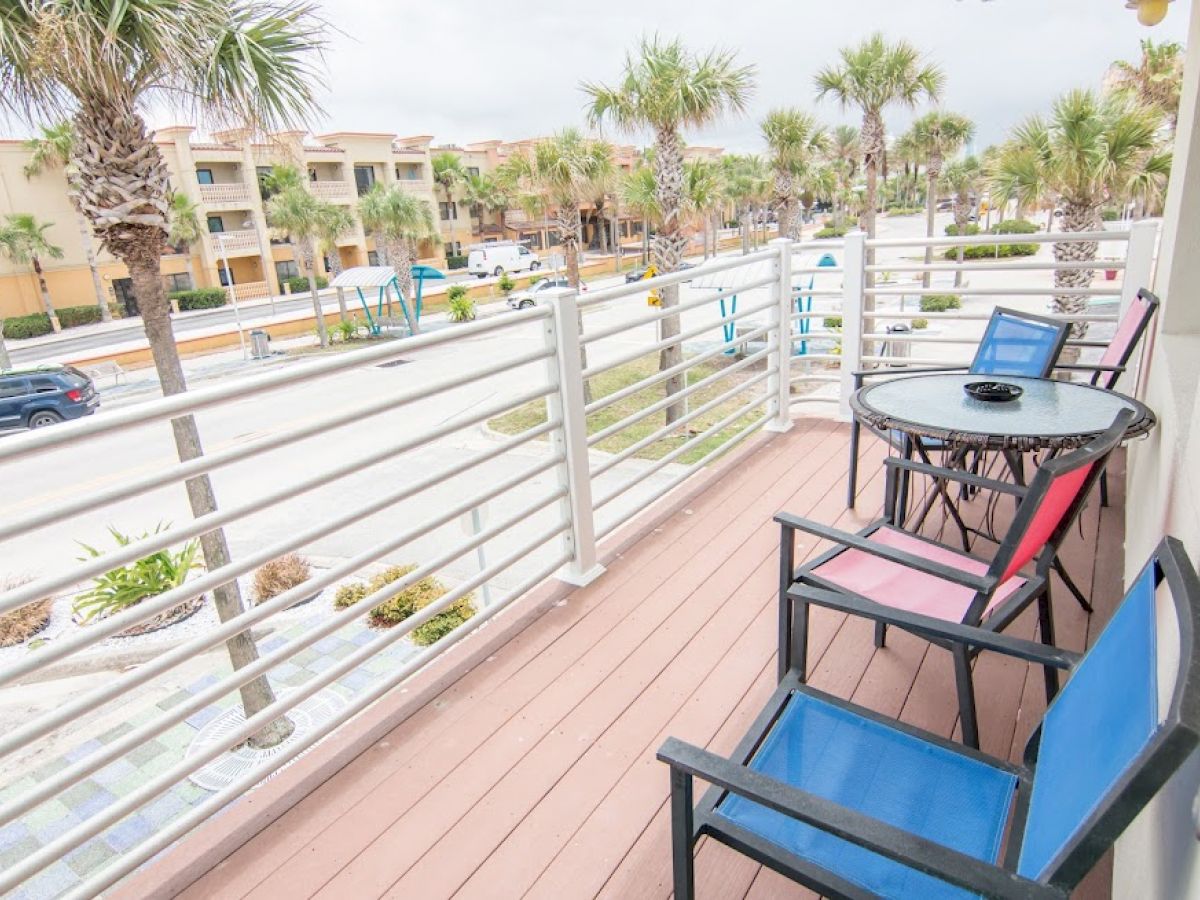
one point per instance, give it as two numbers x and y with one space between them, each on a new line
853 300
570 440
1139 260
779 340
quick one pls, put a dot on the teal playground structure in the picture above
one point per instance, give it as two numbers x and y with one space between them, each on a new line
804 302
382 279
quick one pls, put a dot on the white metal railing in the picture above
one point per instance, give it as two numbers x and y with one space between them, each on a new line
225 194
333 191
233 243
395 474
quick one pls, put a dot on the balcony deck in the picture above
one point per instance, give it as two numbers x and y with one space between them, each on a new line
534 774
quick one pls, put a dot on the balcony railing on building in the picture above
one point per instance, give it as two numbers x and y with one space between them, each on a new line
234 243
229 194
801 330
333 191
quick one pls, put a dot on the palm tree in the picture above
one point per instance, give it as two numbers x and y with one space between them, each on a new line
449 173
398 220
843 154
639 194
702 192
561 172
1090 151
666 88
935 136
963 178
23 240
484 194
793 138
1156 80
295 212
873 76
53 150
184 229
746 181
334 223
104 65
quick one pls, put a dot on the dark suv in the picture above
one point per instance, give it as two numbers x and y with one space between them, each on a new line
35 398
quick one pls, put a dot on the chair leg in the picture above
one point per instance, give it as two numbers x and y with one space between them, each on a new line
880 634
1072 586
966 696
787 553
1046 627
1104 488
852 478
798 648
681 835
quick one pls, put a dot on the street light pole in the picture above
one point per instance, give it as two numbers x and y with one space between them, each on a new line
237 315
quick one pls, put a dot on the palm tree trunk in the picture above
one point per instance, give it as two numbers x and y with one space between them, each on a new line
645 240
336 269
930 211
45 292
308 253
405 255
85 241
668 252
568 230
872 144
1076 217
615 226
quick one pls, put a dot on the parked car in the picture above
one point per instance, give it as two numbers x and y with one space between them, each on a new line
642 272
498 258
529 297
47 395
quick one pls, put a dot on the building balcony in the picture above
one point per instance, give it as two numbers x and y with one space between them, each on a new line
333 191
233 195
234 243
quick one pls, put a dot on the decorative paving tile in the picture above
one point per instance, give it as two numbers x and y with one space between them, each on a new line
128 833
146 752
90 857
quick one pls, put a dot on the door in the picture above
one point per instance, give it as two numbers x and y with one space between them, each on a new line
123 290
364 178
12 396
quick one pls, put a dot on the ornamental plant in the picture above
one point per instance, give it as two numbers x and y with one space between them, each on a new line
126 586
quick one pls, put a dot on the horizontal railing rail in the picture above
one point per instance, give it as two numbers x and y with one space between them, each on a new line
563 423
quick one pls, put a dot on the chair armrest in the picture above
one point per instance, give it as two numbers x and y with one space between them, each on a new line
904 847
921 370
985 639
1087 367
982 583
991 484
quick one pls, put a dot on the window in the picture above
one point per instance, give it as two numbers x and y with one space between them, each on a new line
477 210
263 173
452 248
447 211
215 224
473 171
372 258
312 174
179 281
204 176
364 178
287 268
226 276
43 385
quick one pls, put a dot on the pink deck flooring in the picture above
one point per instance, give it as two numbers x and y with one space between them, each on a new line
534 775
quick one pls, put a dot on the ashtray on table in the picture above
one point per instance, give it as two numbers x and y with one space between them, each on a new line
993 391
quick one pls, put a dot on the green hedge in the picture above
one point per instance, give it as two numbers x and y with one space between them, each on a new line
1015 226
71 316
299 283
27 326
456 262
831 231
940 302
1110 215
199 298
981 251
952 229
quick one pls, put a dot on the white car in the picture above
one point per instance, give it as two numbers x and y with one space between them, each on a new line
498 258
529 297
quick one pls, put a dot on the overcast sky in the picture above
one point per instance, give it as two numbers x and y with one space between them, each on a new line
465 70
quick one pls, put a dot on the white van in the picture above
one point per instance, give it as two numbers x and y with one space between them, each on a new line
494 259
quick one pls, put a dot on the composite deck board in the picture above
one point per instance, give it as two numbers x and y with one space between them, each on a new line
534 775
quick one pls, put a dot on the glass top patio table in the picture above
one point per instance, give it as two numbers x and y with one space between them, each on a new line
1055 415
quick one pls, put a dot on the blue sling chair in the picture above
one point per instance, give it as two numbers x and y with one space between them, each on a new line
853 804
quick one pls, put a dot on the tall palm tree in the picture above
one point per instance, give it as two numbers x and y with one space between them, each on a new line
52 149
398 220
484 194
665 88
963 179
334 223
449 173
935 136
873 76
1157 78
562 172
793 138
1090 151
183 229
23 240
103 65
843 154
639 193
296 213
746 181
702 193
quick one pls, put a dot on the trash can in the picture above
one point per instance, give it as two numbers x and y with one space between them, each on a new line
898 351
260 344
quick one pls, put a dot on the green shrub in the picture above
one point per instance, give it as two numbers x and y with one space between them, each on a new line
298 284
127 586
455 291
1110 215
71 316
899 210
831 231
413 598
27 326
456 262
506 284
832 322
462 308
919 324
981 251
936 303
972 228
1015 226
200 298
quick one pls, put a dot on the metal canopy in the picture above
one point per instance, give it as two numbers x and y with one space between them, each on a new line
364 276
